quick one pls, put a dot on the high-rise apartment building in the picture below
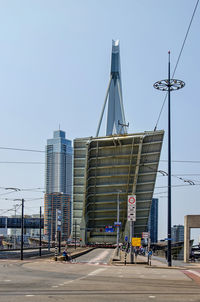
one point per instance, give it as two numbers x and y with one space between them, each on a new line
177 233
153 221
58 182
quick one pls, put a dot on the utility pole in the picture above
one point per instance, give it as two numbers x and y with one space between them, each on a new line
59 241
15 234
131 246
75 234
118 223
40 249
49 234
22 229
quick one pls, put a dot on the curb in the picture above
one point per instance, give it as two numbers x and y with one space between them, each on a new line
74 255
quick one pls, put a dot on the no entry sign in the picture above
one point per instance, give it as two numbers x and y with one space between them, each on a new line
131 199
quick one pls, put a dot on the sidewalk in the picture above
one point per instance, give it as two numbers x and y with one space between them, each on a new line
156 262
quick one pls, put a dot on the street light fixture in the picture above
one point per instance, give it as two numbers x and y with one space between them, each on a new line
14 189
169 85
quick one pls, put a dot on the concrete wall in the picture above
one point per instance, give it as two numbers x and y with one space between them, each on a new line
190 221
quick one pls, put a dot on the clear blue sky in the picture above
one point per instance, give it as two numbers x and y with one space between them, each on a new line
54 69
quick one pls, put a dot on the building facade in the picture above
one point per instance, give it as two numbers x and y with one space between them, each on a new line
153 221
58 182
177 233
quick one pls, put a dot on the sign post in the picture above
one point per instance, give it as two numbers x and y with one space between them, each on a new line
131 209
146 235
58 230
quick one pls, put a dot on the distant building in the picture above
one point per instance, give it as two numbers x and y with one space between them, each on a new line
58 191
177 233
4 231
28 231
153 221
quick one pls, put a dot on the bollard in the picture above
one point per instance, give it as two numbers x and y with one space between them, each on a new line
56 253
125 258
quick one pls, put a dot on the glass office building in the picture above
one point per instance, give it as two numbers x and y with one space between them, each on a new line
177 233
58 184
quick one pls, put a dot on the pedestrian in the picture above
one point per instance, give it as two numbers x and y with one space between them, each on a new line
65 256
136 253
192 256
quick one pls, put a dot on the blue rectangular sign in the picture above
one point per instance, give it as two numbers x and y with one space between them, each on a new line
109 230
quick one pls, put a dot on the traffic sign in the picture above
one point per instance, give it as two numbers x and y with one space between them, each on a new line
109 230
145 235
58 219
132 199
131 208
136 241
117 223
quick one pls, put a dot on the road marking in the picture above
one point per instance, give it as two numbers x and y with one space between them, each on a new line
61 284
30 295
100 257
66 282
55 286
97 271
152 297
194 272
7 280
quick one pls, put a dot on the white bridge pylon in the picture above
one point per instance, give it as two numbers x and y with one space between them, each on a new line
116 123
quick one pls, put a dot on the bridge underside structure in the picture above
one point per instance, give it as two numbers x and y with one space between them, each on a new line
105 167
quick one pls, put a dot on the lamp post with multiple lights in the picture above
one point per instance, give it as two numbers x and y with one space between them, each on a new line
169 85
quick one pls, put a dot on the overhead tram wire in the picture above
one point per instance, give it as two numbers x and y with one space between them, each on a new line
43 163
21 149
177 62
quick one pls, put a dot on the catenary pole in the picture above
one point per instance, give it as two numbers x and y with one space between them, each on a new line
22 230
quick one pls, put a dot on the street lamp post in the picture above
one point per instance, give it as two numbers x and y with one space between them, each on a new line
118 222
22 228
169 85
15 231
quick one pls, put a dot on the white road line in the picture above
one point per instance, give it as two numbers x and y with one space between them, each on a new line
7 280
30 295
194 272
54 285
99 270
152 297
66 282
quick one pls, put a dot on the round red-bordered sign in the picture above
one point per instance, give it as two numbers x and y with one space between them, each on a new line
131 200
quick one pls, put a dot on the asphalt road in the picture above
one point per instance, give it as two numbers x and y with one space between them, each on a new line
91 278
